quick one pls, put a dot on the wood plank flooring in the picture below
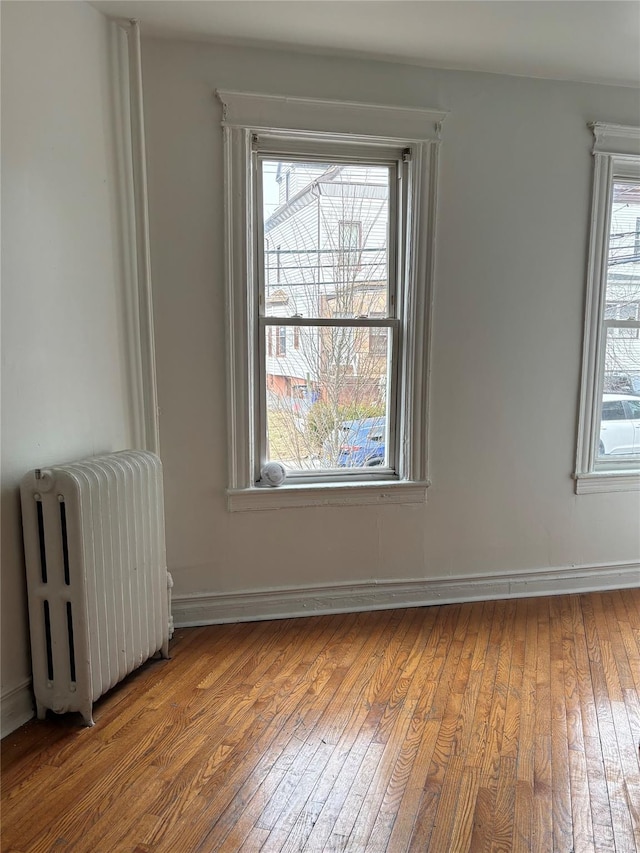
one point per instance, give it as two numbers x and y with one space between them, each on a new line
489 726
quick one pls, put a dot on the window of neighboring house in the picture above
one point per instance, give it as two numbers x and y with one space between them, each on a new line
378 339
357 186
349 244
608 456
623 311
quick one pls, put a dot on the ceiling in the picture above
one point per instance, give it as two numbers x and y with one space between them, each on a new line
588 40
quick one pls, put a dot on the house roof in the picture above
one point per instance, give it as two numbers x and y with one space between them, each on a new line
302 198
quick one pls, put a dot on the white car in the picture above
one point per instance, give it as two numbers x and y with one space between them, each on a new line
620 425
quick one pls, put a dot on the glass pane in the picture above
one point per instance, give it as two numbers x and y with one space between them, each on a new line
622 353
623 267
326 397
326 239
620 414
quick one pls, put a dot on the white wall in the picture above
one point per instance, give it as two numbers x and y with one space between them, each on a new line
65 387
512 241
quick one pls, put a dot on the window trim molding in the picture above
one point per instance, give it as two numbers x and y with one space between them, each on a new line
617 140
607 481
322 494
350 118
616 151
243 115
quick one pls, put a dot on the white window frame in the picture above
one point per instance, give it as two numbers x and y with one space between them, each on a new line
616 152
360 126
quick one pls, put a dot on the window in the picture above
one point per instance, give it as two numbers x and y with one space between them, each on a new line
608 457
633 409
613 411
623 311
378 338
335 296
281 340
378 341
356 293
349 235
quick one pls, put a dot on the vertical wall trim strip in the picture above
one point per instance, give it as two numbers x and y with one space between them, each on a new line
143 255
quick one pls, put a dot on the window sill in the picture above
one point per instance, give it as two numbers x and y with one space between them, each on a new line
336 494
607 481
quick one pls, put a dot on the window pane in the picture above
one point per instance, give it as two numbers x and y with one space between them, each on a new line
623 268
326 400
326 238
619 434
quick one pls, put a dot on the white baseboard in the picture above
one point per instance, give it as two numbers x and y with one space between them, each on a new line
16 704
285 603
16 707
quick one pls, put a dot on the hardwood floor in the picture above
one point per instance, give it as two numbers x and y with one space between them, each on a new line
489 726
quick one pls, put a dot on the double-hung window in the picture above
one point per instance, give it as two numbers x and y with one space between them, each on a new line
339 199
608 457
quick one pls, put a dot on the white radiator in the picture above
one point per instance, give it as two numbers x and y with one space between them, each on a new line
97 580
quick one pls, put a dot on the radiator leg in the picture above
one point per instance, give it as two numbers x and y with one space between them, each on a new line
165 647
41 711
87 715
